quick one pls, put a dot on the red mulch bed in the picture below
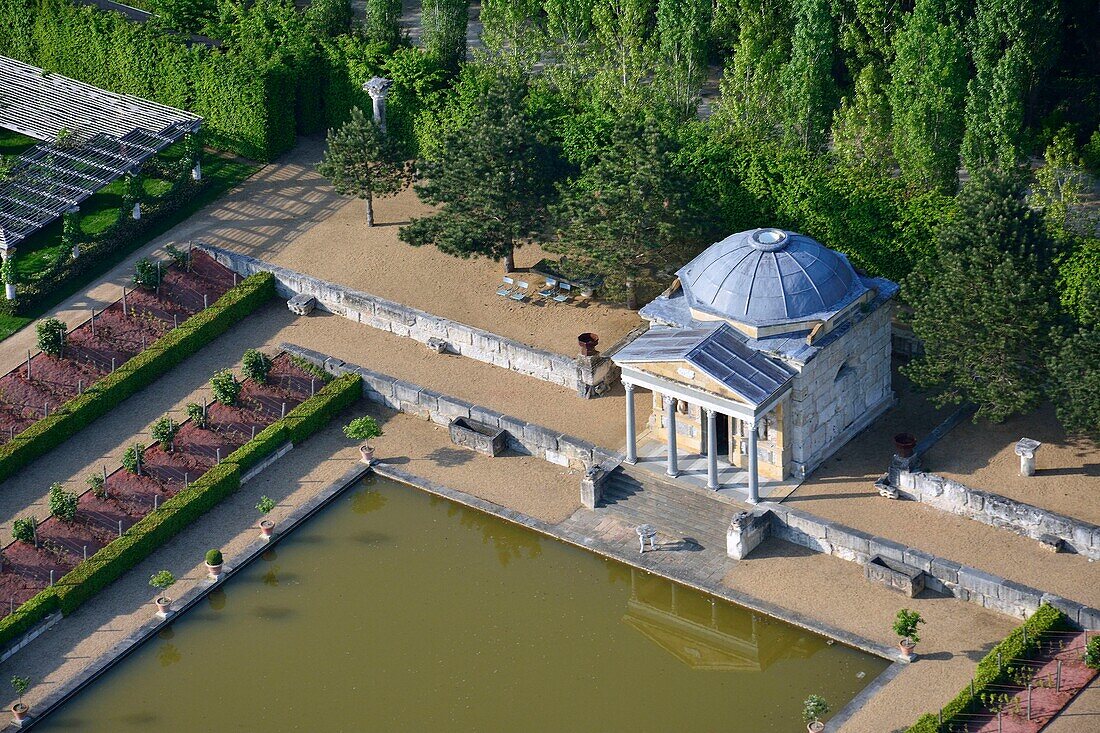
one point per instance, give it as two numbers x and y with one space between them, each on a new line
114 338
61 545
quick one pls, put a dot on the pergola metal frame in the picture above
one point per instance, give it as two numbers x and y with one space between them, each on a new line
111 135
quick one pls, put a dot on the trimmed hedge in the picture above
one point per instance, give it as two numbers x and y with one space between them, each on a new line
154 529
137 373
990 672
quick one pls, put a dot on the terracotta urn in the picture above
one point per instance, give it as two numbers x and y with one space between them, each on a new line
904 443
164 605
214 570
815 727
367 453
266 528
907 648
588 343
19 712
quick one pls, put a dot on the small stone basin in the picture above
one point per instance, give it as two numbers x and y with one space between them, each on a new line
477 436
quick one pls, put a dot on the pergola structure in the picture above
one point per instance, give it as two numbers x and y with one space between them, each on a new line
109 136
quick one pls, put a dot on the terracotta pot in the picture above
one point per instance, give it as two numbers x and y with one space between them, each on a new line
815 727
907 648
266 528
588 342
164 604
904 443
19 711
214 570
366 453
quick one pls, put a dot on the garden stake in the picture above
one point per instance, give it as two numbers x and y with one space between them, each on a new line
219 454
1058 677
234 279
51 577
93 321
205 304
284 412
156 502
185 476
46 409
124 300
253 432
80 386
998 721
1029 701
112 365
175 321
12 431
85 553
120 528
28 365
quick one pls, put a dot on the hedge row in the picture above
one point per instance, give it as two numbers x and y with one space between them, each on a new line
140 371
139 541
995 668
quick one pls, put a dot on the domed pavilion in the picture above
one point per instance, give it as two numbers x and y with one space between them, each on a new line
767 353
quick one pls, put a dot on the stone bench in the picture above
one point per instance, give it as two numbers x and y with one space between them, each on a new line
895 575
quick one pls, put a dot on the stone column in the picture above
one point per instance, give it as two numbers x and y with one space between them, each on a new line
196 171
670 425
712 450
1025 449
631 431
378 88
754 478
136 213
9 288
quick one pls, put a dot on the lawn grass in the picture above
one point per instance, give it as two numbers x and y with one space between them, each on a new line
98 212
12 143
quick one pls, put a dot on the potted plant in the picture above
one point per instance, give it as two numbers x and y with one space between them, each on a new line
905 626
364 428
20 685
214 563
812 709
264 506
162 580
904 443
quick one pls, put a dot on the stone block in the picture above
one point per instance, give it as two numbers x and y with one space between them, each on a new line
576 450
981 582
1082 536
452 407
406 391
809 525
1089 618
888 549
429 399
919 559
380 384
485 415
1072 609
945 570
851 539
895 575
541 437
1020 595
556 457
394 313
514 427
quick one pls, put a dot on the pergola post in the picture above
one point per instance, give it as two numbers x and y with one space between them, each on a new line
670 423
196 170
712 450
631 431
9 288
754 477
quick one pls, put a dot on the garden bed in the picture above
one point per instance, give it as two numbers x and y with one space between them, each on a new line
92 350
130 497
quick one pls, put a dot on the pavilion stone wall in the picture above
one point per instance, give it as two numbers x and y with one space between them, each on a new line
588 376
828 407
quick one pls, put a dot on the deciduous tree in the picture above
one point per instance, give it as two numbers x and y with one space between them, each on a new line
809 90
1075 382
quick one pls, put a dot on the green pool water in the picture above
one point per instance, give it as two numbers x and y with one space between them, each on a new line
392 610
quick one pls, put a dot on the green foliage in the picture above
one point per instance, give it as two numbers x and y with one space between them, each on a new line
444 31
381 24
362 428
70 230
146 274
991 673
1075 382
62 503
511 32
225 387
22 530
181 257
1092 653
1078 283
164 430
751 87
8 274
308 417
97 485
1058 188
185 16
196 413
982 306
861 126
265 505
809 90
906 623
20 685
362 161
132 192
267 441
51 334
682 32
162 579
213 557
256 365
132 458
491 180
814 708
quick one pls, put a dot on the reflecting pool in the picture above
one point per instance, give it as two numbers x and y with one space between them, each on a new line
393 610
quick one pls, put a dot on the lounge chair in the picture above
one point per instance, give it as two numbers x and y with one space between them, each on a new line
564 292
521 291
551 288
507 286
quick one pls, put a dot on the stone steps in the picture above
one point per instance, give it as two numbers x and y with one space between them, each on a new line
673 510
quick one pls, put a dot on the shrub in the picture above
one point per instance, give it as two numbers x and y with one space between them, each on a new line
256 365
181 257
20 685
22 530
165 430
214 557
225 387
362 428
97 484
196 413
265 505
146 274
905 624
132 457
51 336
1092 653
62 503
162 579
813 708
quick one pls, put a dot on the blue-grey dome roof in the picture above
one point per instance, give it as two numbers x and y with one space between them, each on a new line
766 277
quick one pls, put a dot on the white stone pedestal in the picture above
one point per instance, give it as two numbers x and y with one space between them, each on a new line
1025 449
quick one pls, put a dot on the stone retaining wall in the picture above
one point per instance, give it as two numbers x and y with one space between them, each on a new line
412 399
588 376
941 575
996 510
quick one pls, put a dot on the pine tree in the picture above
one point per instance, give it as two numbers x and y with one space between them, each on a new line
927 90
362 161
492 176
809 89
983 306
627 212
